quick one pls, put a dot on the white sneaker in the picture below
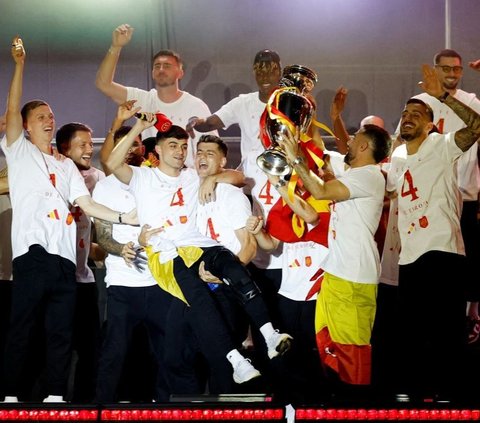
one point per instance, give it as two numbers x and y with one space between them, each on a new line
278 343
244 371
54 398
10 399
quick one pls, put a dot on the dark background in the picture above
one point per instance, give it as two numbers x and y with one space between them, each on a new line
373 47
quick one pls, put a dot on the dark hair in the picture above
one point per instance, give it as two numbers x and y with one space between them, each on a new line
170 53
175 131
149 144
427 107
67 132
381 141
214 140
122 131
446 53
28 107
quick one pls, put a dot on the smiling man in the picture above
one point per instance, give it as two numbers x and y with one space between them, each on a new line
74 140
432 262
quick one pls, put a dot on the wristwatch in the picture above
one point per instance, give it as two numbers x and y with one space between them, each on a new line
280 183
298 160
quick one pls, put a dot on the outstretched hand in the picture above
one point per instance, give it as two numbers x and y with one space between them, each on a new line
338 103
475 65
146 233
191 125
431 84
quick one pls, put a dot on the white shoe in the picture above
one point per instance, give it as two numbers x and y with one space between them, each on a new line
54 398
278 343
244 371
10 399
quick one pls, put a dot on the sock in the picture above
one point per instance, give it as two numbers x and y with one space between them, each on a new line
267 330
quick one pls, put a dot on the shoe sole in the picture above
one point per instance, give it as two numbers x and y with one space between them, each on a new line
281 349
253 376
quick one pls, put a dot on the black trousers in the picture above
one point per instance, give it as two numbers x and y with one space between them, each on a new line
207 321
432 324
86 332
126 309
470 227
41 281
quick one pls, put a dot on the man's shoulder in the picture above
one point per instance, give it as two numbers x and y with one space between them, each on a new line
186 96
467 98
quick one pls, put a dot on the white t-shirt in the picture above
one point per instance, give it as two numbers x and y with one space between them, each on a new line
264 196
5 239
447 120
178 112
84 228
353 253
41 213
112 193
220 219
170 203
301 260
429 201
244 110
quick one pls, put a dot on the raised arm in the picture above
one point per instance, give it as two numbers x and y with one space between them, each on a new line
465 137
94 209
125 111
211 123
116 160
14 124
332 190
336 109
104 81
298 205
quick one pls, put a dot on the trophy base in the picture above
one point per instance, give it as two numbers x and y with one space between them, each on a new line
274 162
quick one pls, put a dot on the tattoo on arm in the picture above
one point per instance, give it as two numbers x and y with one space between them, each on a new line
465 137
105 238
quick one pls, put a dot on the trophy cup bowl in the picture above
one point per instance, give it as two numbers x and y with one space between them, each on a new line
299 111
300 77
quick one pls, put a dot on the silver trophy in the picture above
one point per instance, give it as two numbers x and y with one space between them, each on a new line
290 106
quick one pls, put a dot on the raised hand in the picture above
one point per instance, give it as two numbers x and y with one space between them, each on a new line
127 109
475 65
431 84
338 103
191 125
18 51
122 35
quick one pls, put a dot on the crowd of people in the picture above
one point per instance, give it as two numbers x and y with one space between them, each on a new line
347 277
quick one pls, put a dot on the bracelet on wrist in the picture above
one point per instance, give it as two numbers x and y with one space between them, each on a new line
298 160
112 51
443 97
120 217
